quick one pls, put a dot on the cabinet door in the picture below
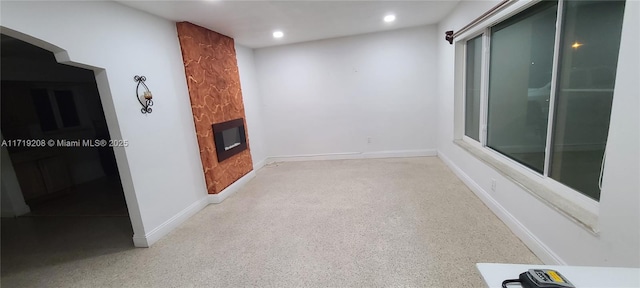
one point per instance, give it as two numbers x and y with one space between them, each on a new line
55 174
30 179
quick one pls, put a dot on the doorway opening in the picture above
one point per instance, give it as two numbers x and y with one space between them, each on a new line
55 135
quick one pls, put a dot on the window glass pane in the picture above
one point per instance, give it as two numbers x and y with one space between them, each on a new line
520 84
589 57
43 109
472 87
67 108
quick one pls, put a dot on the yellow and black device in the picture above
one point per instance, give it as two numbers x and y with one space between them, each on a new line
540 278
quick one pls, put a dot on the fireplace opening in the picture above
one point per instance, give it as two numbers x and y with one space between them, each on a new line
230 138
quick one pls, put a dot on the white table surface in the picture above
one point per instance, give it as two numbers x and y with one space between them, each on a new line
579 276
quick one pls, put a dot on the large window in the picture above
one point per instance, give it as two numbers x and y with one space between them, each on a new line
551 75
519 84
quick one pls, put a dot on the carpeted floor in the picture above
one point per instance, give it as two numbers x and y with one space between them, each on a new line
352 223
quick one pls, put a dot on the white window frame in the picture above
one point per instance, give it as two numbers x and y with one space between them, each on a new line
563 198
472 141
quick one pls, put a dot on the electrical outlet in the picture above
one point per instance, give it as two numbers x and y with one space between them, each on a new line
368 140
493 184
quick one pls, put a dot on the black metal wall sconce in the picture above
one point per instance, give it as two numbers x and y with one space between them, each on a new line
145 96
449 36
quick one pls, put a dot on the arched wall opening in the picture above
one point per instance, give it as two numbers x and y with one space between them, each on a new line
114 128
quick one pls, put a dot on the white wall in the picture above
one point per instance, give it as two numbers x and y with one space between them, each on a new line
329 96
160 169
552 236
252 104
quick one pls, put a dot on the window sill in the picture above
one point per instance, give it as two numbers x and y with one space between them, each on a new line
576 213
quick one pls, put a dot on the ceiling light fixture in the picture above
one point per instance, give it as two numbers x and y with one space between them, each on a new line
389 18
278 34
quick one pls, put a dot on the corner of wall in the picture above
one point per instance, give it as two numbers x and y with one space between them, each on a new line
174 222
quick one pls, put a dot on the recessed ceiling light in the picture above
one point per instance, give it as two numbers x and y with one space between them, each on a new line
389 18
278 34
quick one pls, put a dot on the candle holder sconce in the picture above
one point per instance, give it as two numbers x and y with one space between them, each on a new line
145 97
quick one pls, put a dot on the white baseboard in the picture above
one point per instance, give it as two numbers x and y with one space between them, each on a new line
258 165
353 155
314 157
235 186
148 239
400 153
537 247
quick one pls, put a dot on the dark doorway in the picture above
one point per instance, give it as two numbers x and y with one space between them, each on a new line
51 121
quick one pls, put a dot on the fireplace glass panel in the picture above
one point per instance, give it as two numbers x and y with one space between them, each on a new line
231 138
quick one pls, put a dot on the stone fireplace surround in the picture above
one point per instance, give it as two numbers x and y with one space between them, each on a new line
216 97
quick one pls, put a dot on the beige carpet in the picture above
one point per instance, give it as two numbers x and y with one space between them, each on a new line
355 223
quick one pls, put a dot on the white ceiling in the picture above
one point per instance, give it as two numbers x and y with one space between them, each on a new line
251 23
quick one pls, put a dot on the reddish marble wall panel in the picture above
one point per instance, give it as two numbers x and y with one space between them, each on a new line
214 89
